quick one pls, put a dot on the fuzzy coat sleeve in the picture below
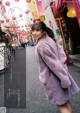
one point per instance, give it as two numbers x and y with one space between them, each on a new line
52 61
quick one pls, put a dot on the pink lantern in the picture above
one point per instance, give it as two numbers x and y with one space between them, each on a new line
13 26
26 12
7 20
2 21
18 27
7 3
30 25
28 1
20 15
13 18
7 26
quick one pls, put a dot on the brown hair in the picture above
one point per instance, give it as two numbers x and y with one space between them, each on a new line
42 26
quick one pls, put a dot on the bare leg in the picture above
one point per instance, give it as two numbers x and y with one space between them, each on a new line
65 108
69 106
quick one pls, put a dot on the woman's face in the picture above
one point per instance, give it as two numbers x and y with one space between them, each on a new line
38 34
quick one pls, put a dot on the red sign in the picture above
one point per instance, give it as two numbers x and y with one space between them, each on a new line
76 4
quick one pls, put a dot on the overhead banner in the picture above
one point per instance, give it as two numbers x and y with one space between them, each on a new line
33 9
39 7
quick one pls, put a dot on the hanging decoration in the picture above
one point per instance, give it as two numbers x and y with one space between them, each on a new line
2 21
28 1
2 8
20 15
30 25
13 18
26 12
18 26
7 3
71 13
7 20
12 26
7 26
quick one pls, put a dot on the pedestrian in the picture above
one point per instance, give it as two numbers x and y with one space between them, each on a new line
53 72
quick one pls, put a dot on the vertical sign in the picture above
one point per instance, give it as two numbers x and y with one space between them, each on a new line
39 7
33 9
76 4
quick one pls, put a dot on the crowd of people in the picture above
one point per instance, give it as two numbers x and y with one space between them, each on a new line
16 41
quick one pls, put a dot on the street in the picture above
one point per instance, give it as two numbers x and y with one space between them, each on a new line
21 90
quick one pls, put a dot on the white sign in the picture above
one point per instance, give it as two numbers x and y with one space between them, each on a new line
45 3
51 23
1 58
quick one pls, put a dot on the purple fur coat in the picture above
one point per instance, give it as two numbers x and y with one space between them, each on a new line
53 72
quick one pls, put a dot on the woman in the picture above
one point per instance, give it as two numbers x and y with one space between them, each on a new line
53 72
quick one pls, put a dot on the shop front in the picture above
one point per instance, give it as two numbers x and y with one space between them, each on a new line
72 21
67 16
51 21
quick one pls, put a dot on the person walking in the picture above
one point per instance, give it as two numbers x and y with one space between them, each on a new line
53 72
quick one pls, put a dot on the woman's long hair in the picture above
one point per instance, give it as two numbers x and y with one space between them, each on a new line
42 26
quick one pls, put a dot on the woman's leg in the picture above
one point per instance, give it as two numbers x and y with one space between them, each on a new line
69 106
65 108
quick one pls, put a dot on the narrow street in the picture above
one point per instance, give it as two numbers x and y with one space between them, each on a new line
21 90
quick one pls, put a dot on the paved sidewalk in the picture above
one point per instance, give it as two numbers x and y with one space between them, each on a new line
75 59
15 81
